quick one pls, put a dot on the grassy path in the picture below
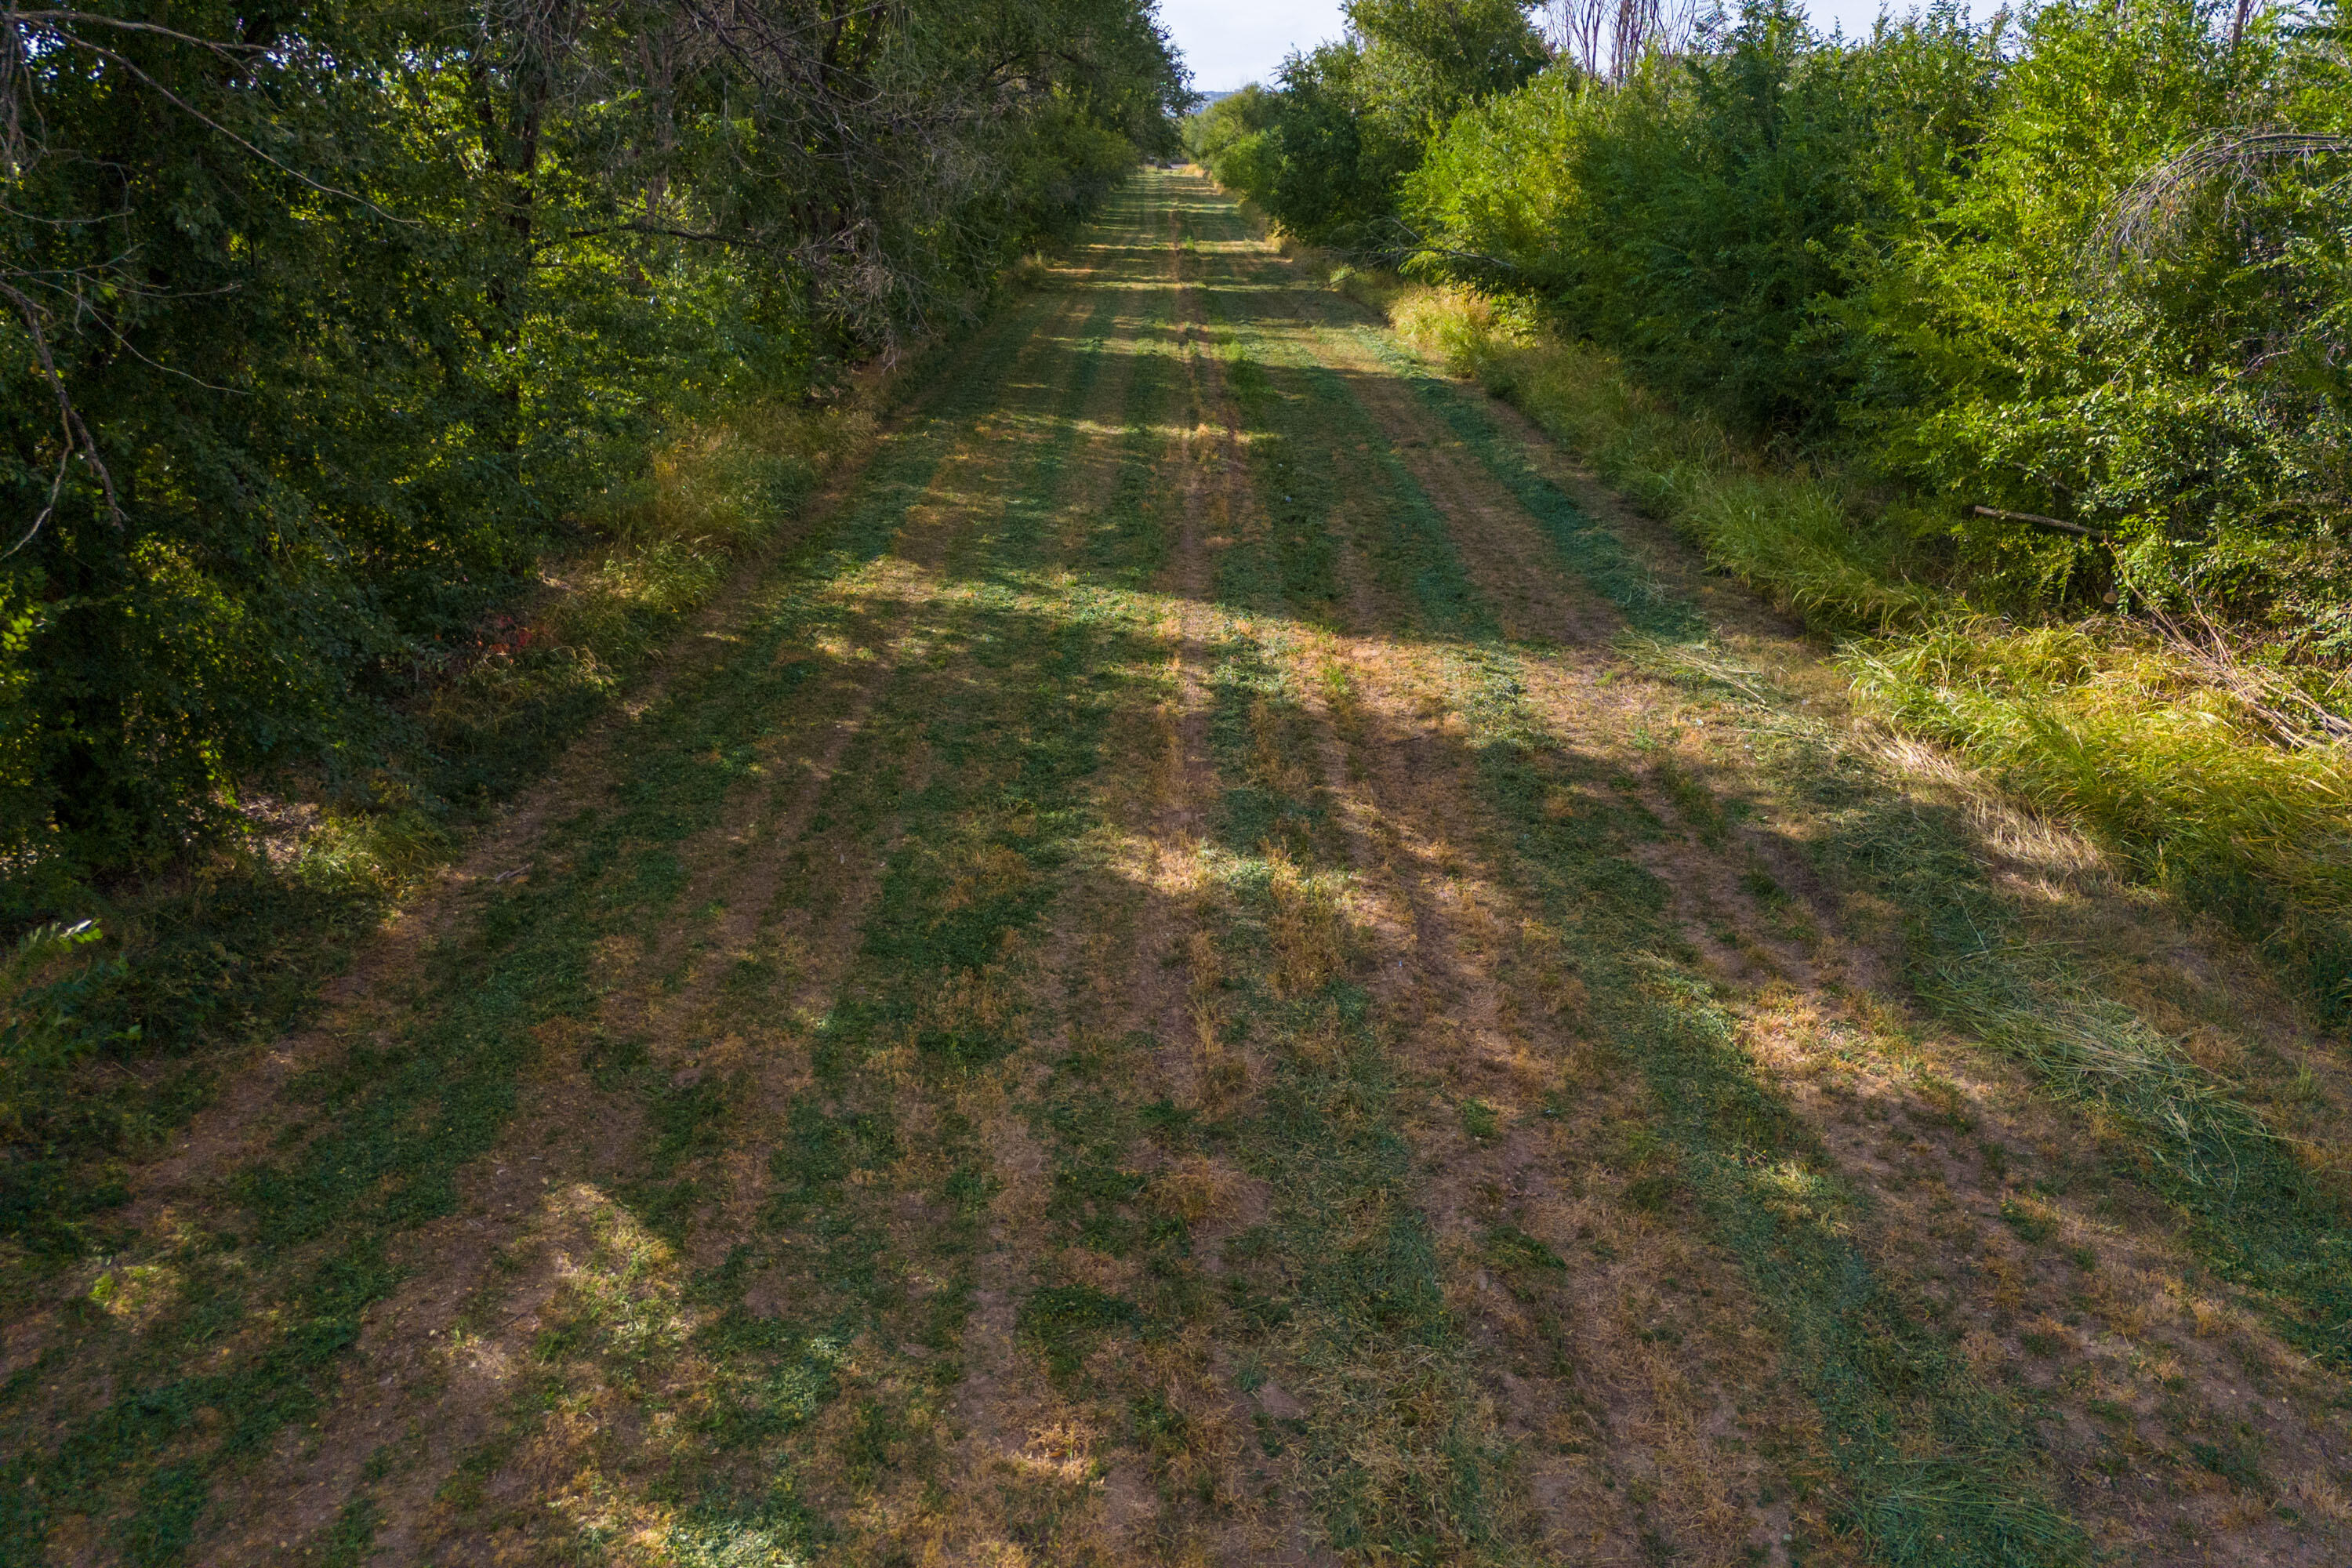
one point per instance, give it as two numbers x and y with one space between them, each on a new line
1228 964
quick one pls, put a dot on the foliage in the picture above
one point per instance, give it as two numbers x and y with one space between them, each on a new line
2157 380
1954 331
1325 155
1693 215
1230 131
417 372
2090 263
46 988
332 321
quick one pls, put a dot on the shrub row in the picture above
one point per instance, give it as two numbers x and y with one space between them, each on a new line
2019 352
331 321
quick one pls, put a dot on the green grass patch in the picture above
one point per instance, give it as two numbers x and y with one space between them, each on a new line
2254 1212
1065 1323
1936 1468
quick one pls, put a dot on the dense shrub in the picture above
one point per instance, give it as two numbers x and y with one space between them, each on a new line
2086 266
330 320
2107 324
1696 215
2089 262
392 382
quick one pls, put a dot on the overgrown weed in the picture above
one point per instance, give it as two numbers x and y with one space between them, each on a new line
2102 723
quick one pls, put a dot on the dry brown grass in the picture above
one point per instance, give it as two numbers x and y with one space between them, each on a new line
1198 1188
1310 933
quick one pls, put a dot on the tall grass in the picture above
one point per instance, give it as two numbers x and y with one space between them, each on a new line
2163 752
2105 723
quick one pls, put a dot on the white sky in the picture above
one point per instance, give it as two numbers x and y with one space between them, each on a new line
1229 42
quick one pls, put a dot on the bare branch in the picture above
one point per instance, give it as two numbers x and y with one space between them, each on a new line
2292 715
2057 525
76 434
202 118
1608 40
2144 218
93 19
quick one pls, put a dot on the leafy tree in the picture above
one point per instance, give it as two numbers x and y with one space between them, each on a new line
1214 134
1428 58
1328 154
330 318
2114 319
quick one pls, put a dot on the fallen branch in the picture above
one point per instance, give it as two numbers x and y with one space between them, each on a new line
1457 254
2037 520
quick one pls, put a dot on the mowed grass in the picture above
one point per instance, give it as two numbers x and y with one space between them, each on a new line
254 1309
2261 1217
1118 1017
1937 1466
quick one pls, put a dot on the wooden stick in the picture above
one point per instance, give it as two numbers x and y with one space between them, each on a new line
2038 521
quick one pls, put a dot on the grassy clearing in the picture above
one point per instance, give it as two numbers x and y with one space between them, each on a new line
1124 1015
886 1189
2264 1214
1347 1273
2210 775
129 1421
2110 726
2261 1213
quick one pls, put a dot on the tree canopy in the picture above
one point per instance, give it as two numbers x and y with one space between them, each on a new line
328 316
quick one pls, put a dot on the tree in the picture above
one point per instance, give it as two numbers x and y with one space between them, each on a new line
330 316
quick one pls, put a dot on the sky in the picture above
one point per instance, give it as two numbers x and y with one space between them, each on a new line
1229 42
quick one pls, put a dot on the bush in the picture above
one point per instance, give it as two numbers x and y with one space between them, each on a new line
331 322
2031 269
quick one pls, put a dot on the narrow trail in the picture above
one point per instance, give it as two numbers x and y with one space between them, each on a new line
1226 963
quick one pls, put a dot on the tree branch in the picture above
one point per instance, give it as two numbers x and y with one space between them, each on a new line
2055 524
76 434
